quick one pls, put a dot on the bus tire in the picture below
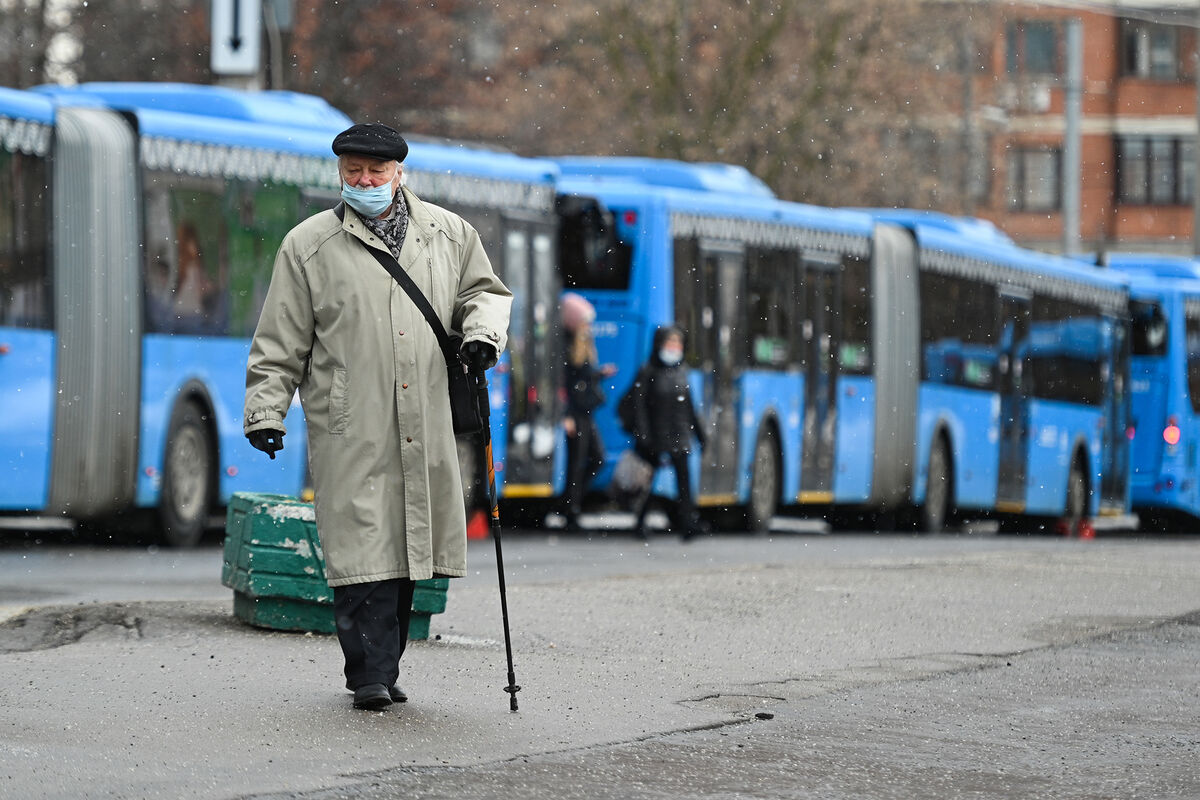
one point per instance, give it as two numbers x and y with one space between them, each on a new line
187 477
932 515
764 485
1075 510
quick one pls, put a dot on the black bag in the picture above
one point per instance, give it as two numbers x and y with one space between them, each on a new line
464 406
627 406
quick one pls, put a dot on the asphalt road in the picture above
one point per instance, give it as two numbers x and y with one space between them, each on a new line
798 664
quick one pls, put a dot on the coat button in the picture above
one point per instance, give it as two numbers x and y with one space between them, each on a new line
404 386
401 333
409 439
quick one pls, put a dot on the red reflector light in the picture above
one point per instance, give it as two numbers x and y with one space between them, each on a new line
629 217
1171 434
1129 432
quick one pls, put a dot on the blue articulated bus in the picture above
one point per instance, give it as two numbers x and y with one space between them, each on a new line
1023 403
1164 387
805 389
855 362
143 227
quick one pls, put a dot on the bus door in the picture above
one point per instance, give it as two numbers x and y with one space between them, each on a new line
820 332
1114 479
721 268
533 404
1013 367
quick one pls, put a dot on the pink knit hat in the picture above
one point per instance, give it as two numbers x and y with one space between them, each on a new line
576 311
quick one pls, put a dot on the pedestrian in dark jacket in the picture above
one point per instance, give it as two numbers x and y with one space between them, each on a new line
664 424
585 448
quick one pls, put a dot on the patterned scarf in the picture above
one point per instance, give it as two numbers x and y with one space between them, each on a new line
392 229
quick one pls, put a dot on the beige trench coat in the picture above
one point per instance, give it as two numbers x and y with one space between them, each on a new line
372 381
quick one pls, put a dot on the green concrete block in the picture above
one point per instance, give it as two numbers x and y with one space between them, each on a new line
274 563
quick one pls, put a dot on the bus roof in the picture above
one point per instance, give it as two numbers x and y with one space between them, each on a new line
913 219
1158 264
285 109
18 104
286 122
710 214
705 177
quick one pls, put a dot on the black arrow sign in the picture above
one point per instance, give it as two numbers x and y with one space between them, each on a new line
235 41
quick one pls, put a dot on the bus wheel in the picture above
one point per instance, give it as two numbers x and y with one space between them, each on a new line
186 477
1075 513
932 517
764 485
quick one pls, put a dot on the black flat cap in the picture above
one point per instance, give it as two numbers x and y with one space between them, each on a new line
371 139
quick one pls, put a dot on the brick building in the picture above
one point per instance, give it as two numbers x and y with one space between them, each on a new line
1138 122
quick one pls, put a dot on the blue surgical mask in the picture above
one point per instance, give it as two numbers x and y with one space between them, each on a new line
670 357
371 202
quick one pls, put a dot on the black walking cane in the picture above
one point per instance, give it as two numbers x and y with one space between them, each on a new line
485 457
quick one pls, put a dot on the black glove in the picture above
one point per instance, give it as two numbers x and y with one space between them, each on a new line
479 355
268 440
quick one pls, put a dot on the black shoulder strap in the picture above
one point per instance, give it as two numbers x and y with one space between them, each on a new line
388 262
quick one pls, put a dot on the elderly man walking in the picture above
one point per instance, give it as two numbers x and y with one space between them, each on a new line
373 384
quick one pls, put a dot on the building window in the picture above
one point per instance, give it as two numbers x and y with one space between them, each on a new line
1032 48
1035 179
1151 50
1155 170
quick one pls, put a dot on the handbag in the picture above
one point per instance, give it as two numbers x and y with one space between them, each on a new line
465 413
633 474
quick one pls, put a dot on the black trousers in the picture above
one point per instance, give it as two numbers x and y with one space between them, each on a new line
684 518
372 628
585 456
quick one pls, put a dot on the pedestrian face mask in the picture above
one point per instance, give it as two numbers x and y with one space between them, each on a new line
670 356
369 202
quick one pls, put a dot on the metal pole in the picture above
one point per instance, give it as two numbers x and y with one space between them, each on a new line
1073 107
485 456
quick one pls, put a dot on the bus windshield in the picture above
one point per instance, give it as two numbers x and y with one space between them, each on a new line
1148 328
592 254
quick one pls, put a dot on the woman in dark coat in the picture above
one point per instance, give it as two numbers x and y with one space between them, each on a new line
585 448
664 423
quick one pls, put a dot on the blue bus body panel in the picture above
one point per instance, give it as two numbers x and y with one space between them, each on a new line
854 445
971 418
499 379
27 387
1055 429
1150 379
171 363
766 395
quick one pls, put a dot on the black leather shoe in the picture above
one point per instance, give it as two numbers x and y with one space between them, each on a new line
372 697
397 694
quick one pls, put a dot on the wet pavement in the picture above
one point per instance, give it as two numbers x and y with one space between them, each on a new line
796 665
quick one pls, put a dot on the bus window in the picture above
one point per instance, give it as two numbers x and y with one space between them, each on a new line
590 251
266 212
1148 332
24 266
1193 360
770 306
691 302
1068 351
186 279
959 321
854 351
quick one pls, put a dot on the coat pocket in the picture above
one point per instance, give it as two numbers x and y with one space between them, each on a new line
339 406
